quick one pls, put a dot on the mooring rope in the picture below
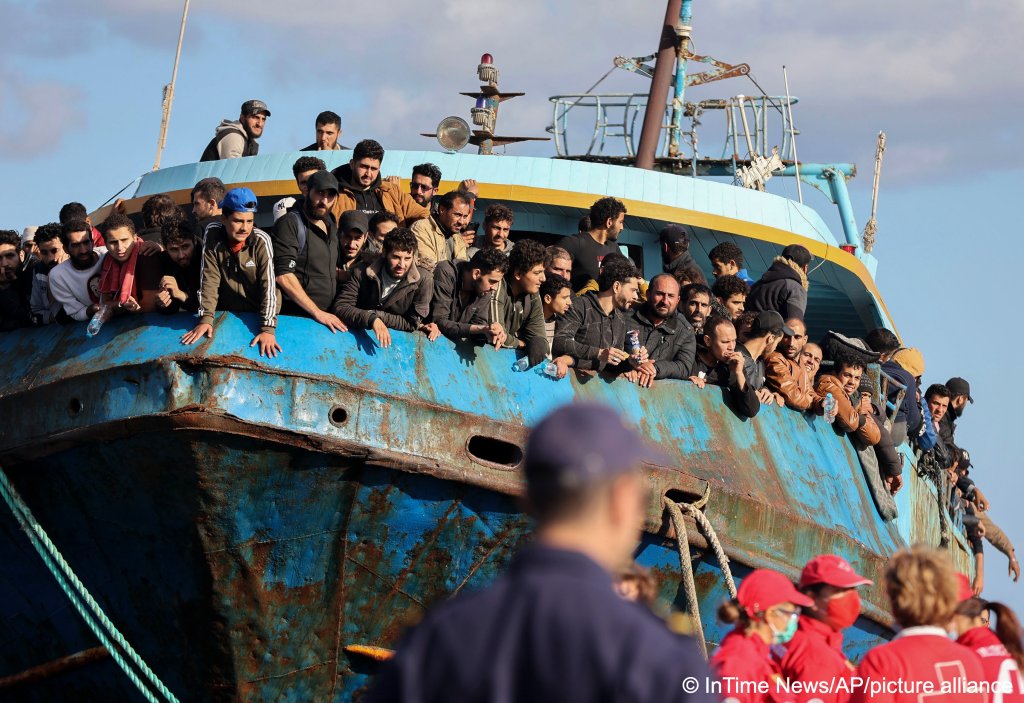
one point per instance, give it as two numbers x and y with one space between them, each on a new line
80 598
676 511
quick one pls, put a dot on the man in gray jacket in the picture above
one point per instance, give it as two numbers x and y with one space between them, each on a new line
463 291
237 138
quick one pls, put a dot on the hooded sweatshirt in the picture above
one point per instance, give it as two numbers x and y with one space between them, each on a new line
367 199
230 141
782 288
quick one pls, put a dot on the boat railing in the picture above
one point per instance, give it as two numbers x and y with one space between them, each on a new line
749 126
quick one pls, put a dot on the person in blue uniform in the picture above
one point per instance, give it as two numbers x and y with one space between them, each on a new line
552 628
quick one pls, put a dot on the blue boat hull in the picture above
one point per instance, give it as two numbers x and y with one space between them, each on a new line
244 520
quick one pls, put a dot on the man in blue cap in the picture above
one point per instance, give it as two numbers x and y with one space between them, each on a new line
552 628
237 272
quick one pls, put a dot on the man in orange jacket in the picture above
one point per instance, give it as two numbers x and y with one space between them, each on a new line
815 654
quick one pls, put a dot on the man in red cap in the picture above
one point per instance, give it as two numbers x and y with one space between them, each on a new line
765 612
816 651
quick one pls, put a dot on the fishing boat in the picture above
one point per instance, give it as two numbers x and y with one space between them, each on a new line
263 529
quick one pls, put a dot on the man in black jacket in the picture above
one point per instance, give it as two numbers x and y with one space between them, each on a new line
719 364
306 253
667 337
783 287
390 293
593 330
461 306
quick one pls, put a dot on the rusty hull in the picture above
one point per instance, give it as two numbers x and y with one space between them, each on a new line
245 519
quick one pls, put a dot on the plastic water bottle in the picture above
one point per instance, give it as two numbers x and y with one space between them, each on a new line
521 364
830 408
96 323
548 368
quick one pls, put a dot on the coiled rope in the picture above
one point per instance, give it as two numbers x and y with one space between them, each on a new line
82 600
676 511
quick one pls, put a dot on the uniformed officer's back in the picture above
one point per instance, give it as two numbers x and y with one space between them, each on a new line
552 627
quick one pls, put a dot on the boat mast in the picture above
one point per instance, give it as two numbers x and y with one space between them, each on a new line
169 93
675 34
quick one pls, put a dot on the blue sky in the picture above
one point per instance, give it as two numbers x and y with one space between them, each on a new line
80 101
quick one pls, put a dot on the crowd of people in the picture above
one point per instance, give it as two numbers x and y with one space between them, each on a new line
357 252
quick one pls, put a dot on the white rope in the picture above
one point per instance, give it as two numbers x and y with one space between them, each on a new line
686 567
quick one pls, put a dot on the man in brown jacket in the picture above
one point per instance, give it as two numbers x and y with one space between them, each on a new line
439 237
855 415
361 187
390 293
785 376
859 419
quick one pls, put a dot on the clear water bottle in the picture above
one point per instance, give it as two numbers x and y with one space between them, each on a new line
830 408
549 369
521 364
96 323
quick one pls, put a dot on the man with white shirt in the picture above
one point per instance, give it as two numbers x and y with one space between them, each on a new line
75 282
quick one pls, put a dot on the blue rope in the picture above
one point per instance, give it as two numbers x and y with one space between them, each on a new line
79 596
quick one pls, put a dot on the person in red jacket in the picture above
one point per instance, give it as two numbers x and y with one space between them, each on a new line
815 654
1001 651
765 611
922 664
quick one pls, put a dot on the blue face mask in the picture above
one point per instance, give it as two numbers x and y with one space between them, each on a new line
784 636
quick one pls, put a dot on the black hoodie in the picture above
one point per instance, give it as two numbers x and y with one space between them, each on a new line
782 288
367 199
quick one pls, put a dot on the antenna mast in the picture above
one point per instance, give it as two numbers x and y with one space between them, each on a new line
169 93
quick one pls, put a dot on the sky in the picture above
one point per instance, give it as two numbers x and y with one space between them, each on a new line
81 87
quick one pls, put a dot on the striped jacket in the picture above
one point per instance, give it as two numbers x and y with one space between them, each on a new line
242 282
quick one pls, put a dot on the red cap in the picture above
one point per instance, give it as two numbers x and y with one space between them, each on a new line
965 591
765 588
832 570
486 58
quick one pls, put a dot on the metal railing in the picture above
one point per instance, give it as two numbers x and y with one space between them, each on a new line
748 128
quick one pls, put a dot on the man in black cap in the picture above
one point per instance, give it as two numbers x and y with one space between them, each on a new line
552 628
236 138
765 333
306 253
352 232
959 395
675 249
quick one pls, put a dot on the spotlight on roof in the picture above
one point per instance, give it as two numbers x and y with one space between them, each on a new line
453 133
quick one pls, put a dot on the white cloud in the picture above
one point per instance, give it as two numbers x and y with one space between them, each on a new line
36 118
930 74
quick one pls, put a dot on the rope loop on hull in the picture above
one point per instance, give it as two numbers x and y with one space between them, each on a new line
677 512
